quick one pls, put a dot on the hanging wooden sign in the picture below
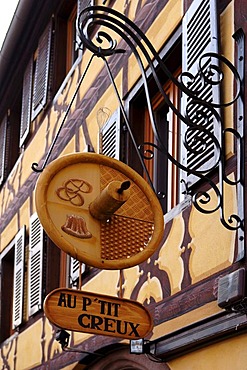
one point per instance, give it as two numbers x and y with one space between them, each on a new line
97 314
99 211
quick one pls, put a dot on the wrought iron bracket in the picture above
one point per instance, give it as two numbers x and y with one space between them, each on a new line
104 46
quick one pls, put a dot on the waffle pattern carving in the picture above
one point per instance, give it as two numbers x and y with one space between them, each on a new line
131 227
123 237
138 207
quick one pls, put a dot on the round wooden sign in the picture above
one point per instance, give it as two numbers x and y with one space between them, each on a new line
99 211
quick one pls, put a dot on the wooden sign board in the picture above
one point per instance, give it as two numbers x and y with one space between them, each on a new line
97 314
84 206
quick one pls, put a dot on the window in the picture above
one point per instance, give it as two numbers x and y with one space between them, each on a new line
56 52
36 82
36 266
71 271
12 285
72 46
9 137
7 279
65 47
76 271
199 35
27 276
163 174
44 265
82 4
19 266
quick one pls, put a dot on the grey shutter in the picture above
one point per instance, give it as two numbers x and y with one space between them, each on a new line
82 4
200 35
35 264
110 136
41 77
26 102
3 147
19 260
74 270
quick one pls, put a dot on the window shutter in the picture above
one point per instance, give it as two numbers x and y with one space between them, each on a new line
82 4
41 77
26 102
19 260
110 136
36 264
3 147
200 35
74 270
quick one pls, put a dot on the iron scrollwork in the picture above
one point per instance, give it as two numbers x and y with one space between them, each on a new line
197 116
211 72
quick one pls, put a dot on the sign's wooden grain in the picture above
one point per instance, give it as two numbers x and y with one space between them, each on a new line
99 211
93 313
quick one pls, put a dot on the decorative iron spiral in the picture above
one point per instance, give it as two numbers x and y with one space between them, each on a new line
198 115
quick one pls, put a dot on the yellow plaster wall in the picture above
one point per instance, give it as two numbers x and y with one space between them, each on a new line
105 282
10 189
131 278
150 289
9 233
230 354
170 254
29 348
25 211
121 6
18 221
70 147
172 14
166 23
212 244
227 49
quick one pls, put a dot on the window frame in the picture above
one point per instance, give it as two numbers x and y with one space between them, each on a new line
169 48
72 49
42 71
168 183
36 82
6 303
12 309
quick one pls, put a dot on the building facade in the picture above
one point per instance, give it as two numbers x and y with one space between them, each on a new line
158 85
